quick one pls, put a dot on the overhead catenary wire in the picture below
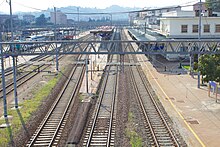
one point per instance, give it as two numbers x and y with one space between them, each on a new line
2 2
122 12
30 7
143 10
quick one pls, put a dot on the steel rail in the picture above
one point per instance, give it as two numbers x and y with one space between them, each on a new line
55 104
154 103
98 108
67 108
159 111
142 107
112 112
101 97
21 81
9 71
39 58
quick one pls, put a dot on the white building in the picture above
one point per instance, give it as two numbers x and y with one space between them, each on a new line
188 27
61 18
150 16
185 24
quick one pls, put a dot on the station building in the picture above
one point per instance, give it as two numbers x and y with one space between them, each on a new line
181 25
185 24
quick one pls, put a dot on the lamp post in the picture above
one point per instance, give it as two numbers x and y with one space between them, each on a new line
111 19
78 15
78 19
3 78
55 33
199 37
13 59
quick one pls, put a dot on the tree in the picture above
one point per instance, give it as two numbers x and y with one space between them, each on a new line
213 4
209 66
7 24
41 20
91 20
217 72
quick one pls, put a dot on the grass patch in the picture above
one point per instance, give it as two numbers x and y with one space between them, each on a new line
28 107
135 139
81 97
187 67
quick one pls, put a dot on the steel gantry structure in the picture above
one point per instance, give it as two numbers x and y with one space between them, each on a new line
182 47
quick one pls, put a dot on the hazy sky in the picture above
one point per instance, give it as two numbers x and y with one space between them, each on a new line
21 5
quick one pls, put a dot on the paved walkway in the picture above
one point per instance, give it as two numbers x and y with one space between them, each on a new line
192 110
98 65
195 114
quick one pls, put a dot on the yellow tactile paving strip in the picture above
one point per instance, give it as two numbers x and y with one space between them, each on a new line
170 101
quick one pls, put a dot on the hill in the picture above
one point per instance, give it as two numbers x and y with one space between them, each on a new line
73 9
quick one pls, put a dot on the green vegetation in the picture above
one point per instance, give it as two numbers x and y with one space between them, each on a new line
135 139
213 4
187 67
81 97
22 115
41 20
209 66
195 67
130 117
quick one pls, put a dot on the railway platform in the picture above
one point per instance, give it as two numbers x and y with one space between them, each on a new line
95 69
195 114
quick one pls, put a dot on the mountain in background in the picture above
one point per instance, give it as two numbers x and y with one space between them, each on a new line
73 9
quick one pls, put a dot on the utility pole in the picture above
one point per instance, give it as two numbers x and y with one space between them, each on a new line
200 26
111 19
145 28
87 75
55 33
78 20
12 48
78 15
3 78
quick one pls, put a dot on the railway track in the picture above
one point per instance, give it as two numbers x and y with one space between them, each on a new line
9 71
101 127
21 67
159 131
49 131
23 78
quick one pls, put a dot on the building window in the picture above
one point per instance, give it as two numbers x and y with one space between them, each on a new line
184 28
195 29
206 28
217 28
